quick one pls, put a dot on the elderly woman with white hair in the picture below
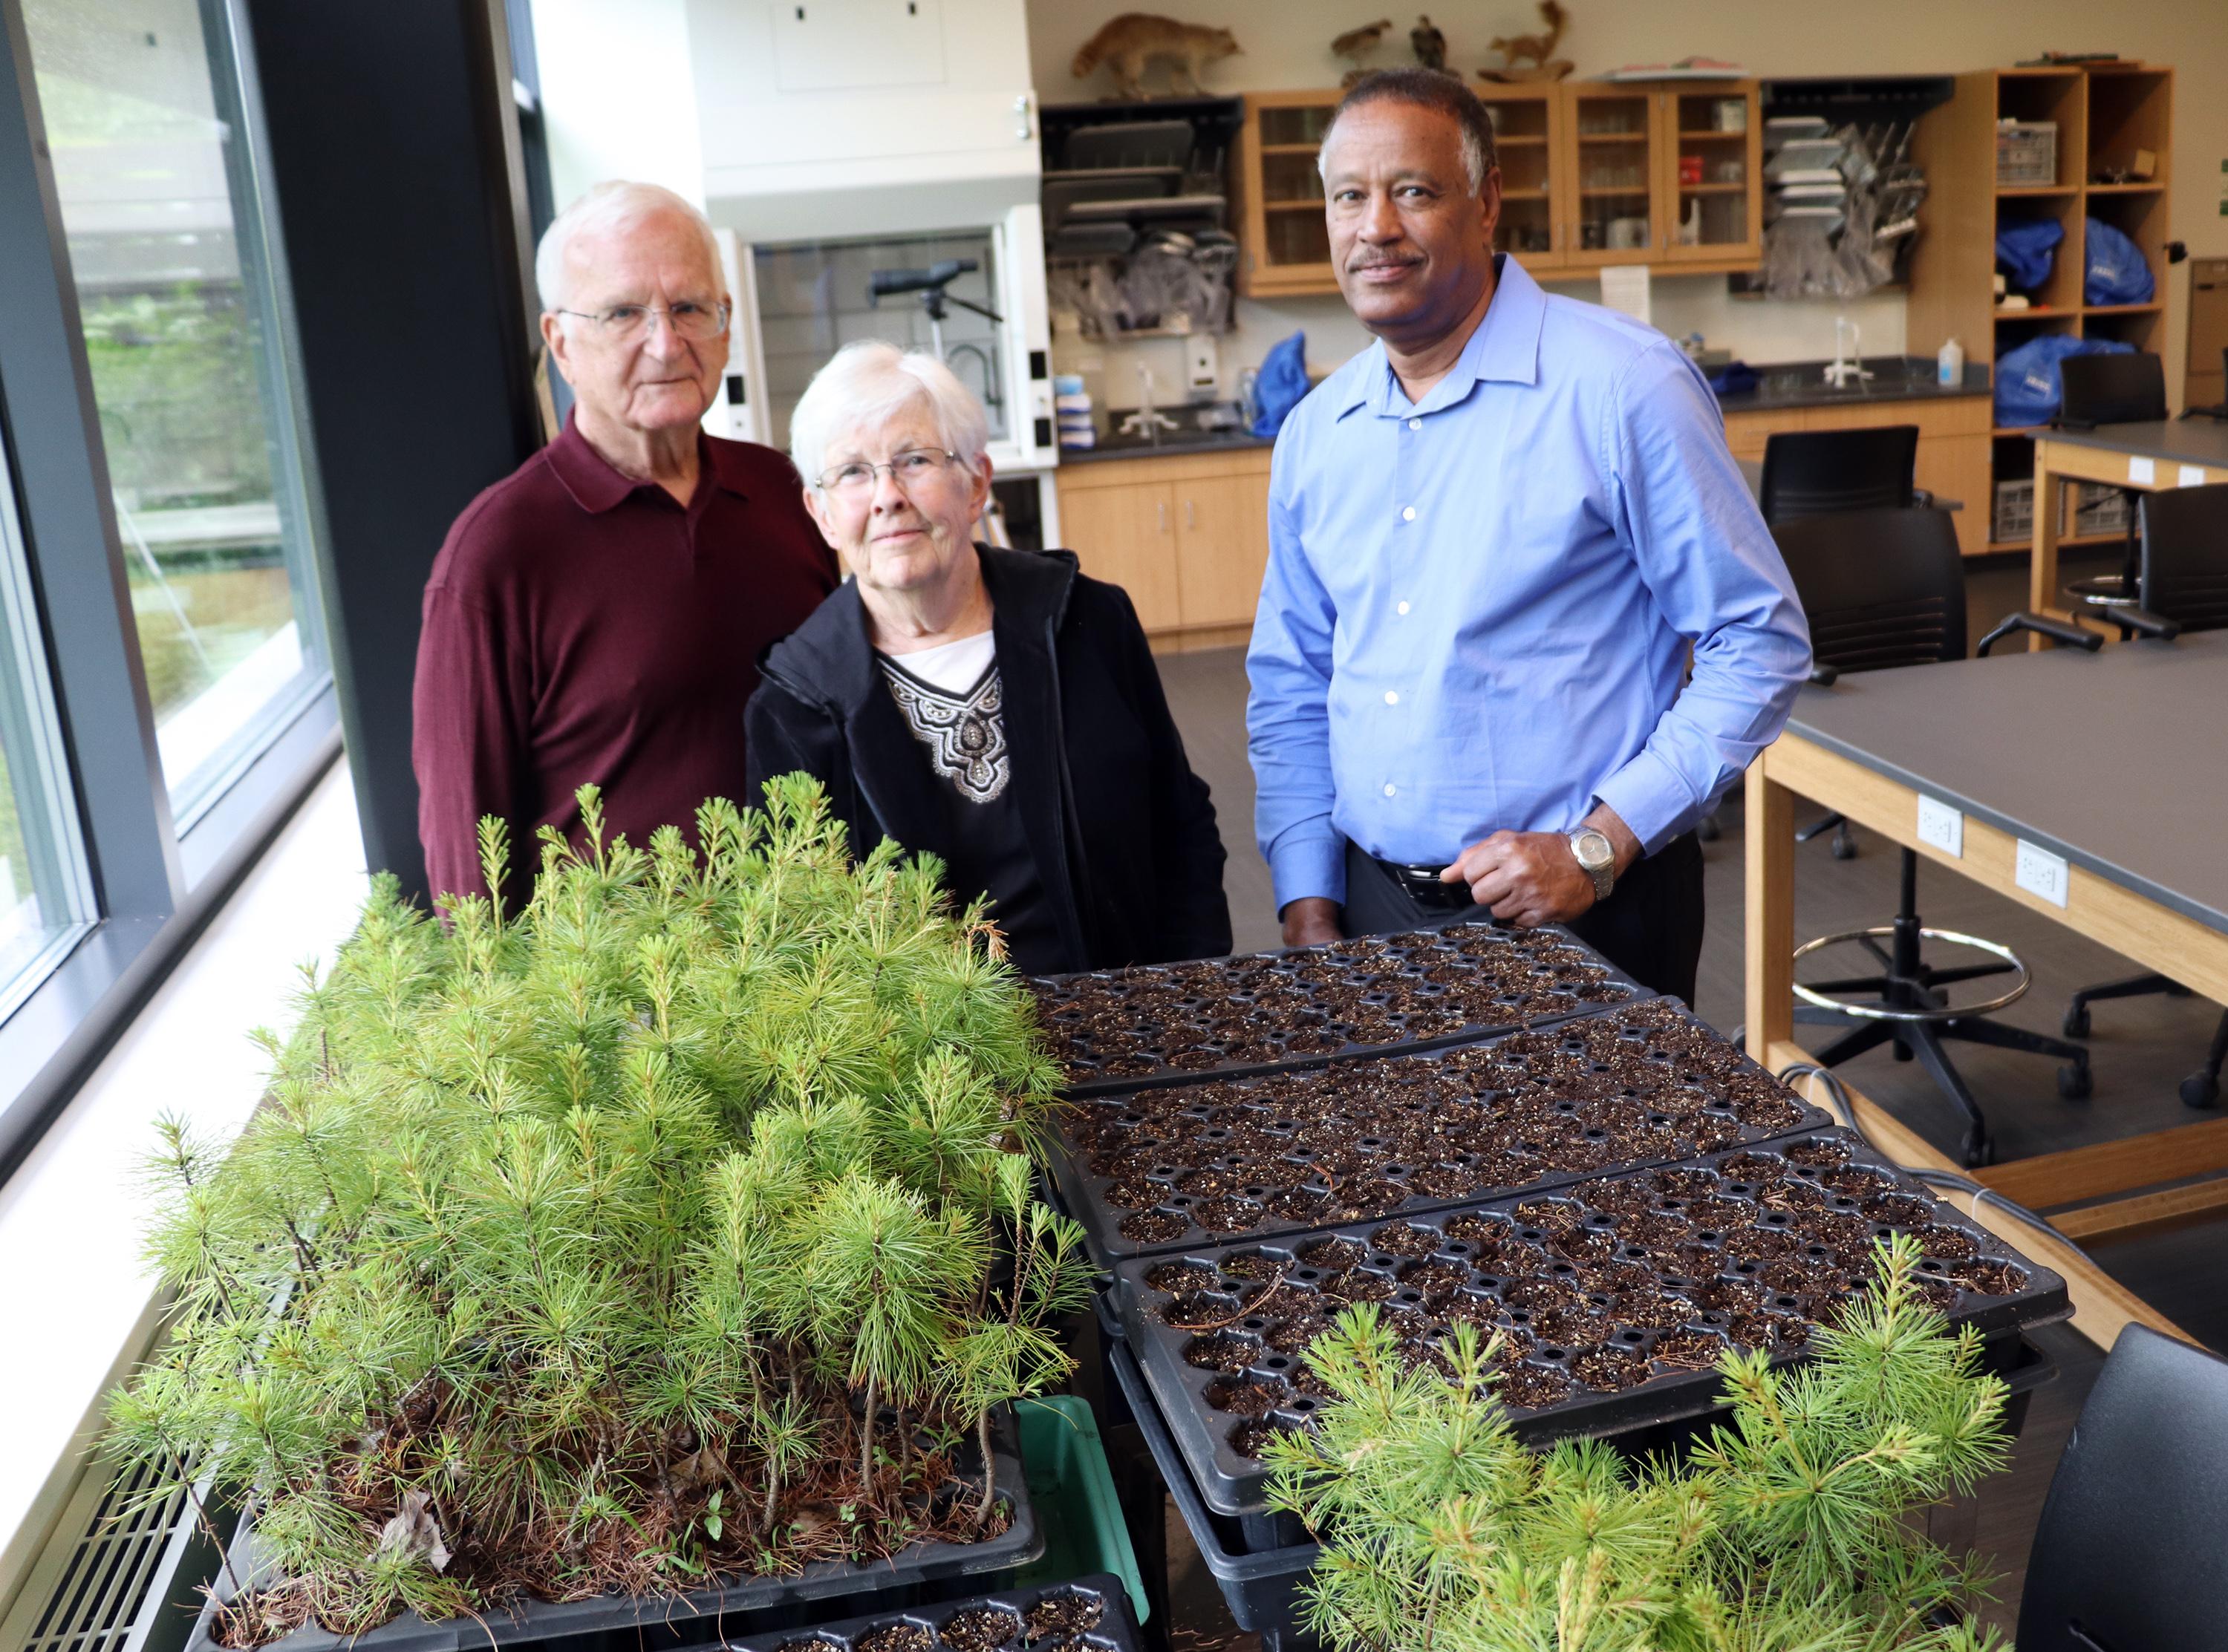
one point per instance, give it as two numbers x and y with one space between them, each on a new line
996 708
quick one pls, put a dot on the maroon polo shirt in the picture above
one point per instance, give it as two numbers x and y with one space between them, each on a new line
583 627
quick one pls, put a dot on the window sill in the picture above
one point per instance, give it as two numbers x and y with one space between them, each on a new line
73 1289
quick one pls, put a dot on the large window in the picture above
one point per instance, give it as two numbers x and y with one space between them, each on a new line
155 169
46 899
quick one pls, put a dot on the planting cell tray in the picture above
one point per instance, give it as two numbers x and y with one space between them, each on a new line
1089 1615
1617 1295
922 1570
1228 1017
1641 1084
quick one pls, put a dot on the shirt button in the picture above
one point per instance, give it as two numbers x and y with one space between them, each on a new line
1409 514
1390 788
1404 608
1415 424
1391 697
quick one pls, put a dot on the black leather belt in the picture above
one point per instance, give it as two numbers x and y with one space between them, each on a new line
1422 886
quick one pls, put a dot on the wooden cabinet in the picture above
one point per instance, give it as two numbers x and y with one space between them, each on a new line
1284 245
1592 174
2102 117
1187 537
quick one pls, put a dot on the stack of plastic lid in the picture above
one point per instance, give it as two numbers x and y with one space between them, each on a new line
1071 407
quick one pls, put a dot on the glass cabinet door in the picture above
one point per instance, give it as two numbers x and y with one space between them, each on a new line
1524 129
1611 176
1714 143
1290 249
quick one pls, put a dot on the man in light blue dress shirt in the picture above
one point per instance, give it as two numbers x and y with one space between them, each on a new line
1495 536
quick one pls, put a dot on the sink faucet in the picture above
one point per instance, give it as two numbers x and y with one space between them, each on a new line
1849 362
1148 421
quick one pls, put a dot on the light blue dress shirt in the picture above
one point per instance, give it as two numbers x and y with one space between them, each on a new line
1478 607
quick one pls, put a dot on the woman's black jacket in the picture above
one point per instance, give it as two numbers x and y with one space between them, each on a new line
1122 832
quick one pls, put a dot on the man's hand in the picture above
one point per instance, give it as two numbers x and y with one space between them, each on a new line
1311 920
1532 877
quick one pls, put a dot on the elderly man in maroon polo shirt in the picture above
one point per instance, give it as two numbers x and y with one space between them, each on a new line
598 616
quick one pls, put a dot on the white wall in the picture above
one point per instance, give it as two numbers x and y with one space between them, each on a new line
618 97
1286 45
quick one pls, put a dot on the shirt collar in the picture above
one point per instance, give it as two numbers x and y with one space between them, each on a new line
1504 347
596 486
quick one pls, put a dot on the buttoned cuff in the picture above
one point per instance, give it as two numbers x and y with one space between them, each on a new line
1308 862
1651 798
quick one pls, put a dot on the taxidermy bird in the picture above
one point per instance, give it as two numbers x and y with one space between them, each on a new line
1431 44
1357 44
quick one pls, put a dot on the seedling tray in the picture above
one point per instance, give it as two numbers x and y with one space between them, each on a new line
1231 1017
1617 1295
1156 1170
923 1571
1089 1615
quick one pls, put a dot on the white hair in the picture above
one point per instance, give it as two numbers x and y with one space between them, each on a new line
613 206
865 386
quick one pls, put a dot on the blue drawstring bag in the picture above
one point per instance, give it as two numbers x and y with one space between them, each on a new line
2116 272
2026 247
1282 384
2028 389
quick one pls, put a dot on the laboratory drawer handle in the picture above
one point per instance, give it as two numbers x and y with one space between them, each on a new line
1191 513
1164 515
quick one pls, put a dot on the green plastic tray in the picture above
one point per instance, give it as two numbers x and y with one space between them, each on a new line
1071 1491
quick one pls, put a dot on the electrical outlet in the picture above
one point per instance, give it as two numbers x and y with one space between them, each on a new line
2041 873
1940 827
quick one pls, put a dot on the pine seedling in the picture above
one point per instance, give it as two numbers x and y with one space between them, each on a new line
1788 1529
562 1221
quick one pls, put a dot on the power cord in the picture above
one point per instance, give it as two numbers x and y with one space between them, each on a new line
1981 1195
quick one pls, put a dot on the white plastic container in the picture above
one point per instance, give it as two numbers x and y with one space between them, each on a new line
1949 364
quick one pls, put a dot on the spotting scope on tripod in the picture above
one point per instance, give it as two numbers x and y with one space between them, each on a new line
931 284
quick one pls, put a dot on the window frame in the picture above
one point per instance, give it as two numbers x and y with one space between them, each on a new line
155 886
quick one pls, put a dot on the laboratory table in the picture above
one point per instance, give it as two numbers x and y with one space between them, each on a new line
2125 839
2146 457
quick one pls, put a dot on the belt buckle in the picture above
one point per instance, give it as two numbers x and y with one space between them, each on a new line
1423 882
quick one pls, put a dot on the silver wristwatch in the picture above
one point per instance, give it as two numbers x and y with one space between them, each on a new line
1597 858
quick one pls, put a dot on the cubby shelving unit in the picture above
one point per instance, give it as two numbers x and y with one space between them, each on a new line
2103 113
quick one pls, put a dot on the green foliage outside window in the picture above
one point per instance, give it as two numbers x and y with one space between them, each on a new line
676 1228
1791 1529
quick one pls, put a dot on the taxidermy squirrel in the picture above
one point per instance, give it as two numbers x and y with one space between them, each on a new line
1538 47
1130 41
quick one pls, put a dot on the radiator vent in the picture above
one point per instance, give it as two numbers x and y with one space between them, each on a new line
107 1599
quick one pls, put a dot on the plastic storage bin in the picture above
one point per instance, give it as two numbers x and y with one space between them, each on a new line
1072 1490
2026 153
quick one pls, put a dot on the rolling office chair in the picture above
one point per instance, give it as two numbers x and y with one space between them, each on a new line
1882 589
1818 473
2182 578
2129 1554
2111 390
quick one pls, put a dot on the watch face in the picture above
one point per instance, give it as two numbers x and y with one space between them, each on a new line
1592 849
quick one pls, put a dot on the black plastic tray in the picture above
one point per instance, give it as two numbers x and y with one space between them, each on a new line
767 1602
1114 1628
1260 1585
1460 1145
1501 1263
1561 976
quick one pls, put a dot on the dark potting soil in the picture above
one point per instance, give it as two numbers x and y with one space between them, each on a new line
983 1629
1290 1152
1604 1287
1267 1008
1065 1614
896 1638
